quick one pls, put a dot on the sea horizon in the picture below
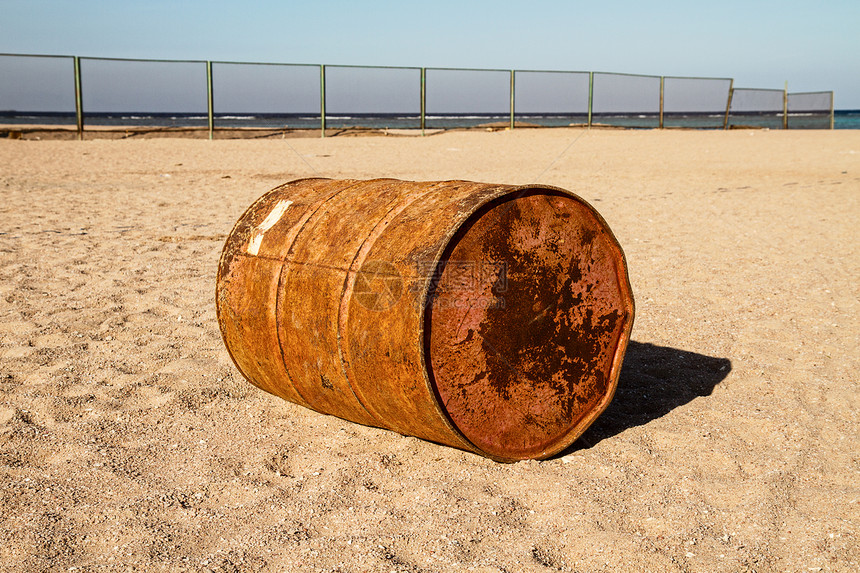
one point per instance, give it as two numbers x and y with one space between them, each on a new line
843 119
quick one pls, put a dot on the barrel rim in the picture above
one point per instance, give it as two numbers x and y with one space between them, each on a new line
504 193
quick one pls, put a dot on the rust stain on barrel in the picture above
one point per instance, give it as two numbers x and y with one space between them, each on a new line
491 318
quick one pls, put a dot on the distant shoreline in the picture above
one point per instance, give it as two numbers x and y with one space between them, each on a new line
62 125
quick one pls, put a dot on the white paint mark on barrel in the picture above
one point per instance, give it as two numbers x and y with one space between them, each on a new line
271 219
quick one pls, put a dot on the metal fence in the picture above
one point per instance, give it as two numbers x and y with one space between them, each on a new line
695 102
551 99
758 108
354 95
215 95
42 85
466 97
135 89
286 93
626 100
810 110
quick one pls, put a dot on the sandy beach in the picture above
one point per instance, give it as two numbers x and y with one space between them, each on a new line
129 441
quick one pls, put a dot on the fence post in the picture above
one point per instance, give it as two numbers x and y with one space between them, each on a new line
210 100
322 100
729 103
590 95
662 82
831 111
785 106
423 98
512 98
79 99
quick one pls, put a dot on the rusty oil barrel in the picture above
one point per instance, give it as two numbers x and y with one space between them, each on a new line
492 318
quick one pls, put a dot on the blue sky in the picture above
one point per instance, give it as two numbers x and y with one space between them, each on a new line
812 45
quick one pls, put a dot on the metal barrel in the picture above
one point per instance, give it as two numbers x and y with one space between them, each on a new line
491 318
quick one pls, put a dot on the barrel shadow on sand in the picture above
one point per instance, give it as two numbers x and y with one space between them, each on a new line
654 381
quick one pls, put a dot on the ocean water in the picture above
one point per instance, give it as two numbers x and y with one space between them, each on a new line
846 119
843 119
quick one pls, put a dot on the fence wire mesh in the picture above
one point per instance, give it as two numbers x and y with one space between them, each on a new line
551 99
810 110
695 102
135 93
43 85
467 98
626 100
144 92
366 96
265 95
756 108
